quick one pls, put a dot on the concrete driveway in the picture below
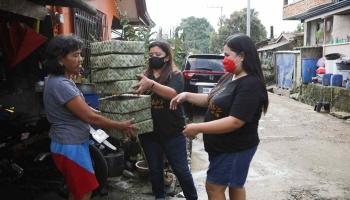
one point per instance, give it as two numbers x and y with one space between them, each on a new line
302 155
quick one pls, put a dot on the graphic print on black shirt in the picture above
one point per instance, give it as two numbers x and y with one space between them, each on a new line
243 99
168 122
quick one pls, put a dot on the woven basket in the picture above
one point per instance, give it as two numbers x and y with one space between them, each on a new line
115 87
116 74
124 103
138 116
117 46
141 127
116 61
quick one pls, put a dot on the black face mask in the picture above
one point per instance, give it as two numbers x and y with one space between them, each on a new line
156 62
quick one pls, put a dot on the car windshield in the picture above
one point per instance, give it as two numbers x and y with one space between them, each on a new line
210 64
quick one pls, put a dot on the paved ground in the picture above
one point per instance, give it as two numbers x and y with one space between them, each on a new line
302 155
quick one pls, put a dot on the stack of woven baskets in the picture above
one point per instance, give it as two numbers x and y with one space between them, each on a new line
115 65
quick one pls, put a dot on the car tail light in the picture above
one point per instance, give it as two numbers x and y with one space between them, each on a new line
188 74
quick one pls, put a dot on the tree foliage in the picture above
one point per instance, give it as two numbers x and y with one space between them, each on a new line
196 34
236 23
300 27
177 43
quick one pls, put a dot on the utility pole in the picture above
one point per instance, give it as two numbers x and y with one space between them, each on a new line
221 16
248 18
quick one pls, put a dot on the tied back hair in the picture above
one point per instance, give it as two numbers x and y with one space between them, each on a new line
57 48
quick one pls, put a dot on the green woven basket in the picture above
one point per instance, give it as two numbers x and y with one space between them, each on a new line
116 87
138 116
141 128
116 74
124 103
117 46
116 61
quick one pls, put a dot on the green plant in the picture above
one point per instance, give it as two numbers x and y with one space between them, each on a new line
133 33
179 50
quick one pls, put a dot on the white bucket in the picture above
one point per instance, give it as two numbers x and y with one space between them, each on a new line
330 66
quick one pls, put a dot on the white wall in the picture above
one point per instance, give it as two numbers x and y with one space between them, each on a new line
341 27
340 48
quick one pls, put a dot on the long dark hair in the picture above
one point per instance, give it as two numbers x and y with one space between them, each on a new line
242 44
169 65
58 48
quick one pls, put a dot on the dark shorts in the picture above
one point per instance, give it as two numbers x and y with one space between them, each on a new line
230 169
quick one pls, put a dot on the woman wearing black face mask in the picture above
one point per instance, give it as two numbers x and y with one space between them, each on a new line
164 82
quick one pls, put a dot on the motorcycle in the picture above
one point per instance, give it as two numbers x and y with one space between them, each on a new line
26 163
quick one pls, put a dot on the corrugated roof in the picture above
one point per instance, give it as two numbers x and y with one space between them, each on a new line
274 46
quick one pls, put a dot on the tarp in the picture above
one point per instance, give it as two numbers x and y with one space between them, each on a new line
17 41
285 64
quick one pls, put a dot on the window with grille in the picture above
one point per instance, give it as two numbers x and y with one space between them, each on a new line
90 28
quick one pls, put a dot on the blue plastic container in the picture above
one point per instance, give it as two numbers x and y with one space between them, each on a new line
308 66
337 80
326 79
92 100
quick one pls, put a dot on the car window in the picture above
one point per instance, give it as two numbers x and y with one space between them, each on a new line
212 64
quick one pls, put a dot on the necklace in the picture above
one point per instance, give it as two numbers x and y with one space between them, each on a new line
237 76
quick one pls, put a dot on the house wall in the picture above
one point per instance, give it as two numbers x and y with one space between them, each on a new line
300 7
338 48
129 6
341 28
311 33
312 52
67 26
108 7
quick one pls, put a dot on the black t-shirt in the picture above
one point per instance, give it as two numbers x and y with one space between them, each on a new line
168 122
243 99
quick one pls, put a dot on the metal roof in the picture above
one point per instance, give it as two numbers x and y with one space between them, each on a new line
274 45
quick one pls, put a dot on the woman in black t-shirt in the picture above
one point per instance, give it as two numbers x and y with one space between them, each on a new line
230 130
164 82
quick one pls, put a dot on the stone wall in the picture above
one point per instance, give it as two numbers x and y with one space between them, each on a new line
339 98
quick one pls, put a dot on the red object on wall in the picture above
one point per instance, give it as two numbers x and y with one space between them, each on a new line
18 41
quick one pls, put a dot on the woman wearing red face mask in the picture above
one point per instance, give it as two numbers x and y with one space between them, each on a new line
230 130
164 82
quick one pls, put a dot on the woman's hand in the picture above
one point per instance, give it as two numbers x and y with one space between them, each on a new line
178 99
143 85
191 130
127 128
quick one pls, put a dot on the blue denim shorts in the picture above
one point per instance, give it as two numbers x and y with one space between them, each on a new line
230 169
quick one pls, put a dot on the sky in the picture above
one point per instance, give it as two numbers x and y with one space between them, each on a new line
168 13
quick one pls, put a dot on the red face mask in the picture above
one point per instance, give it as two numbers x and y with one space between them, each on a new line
229 65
